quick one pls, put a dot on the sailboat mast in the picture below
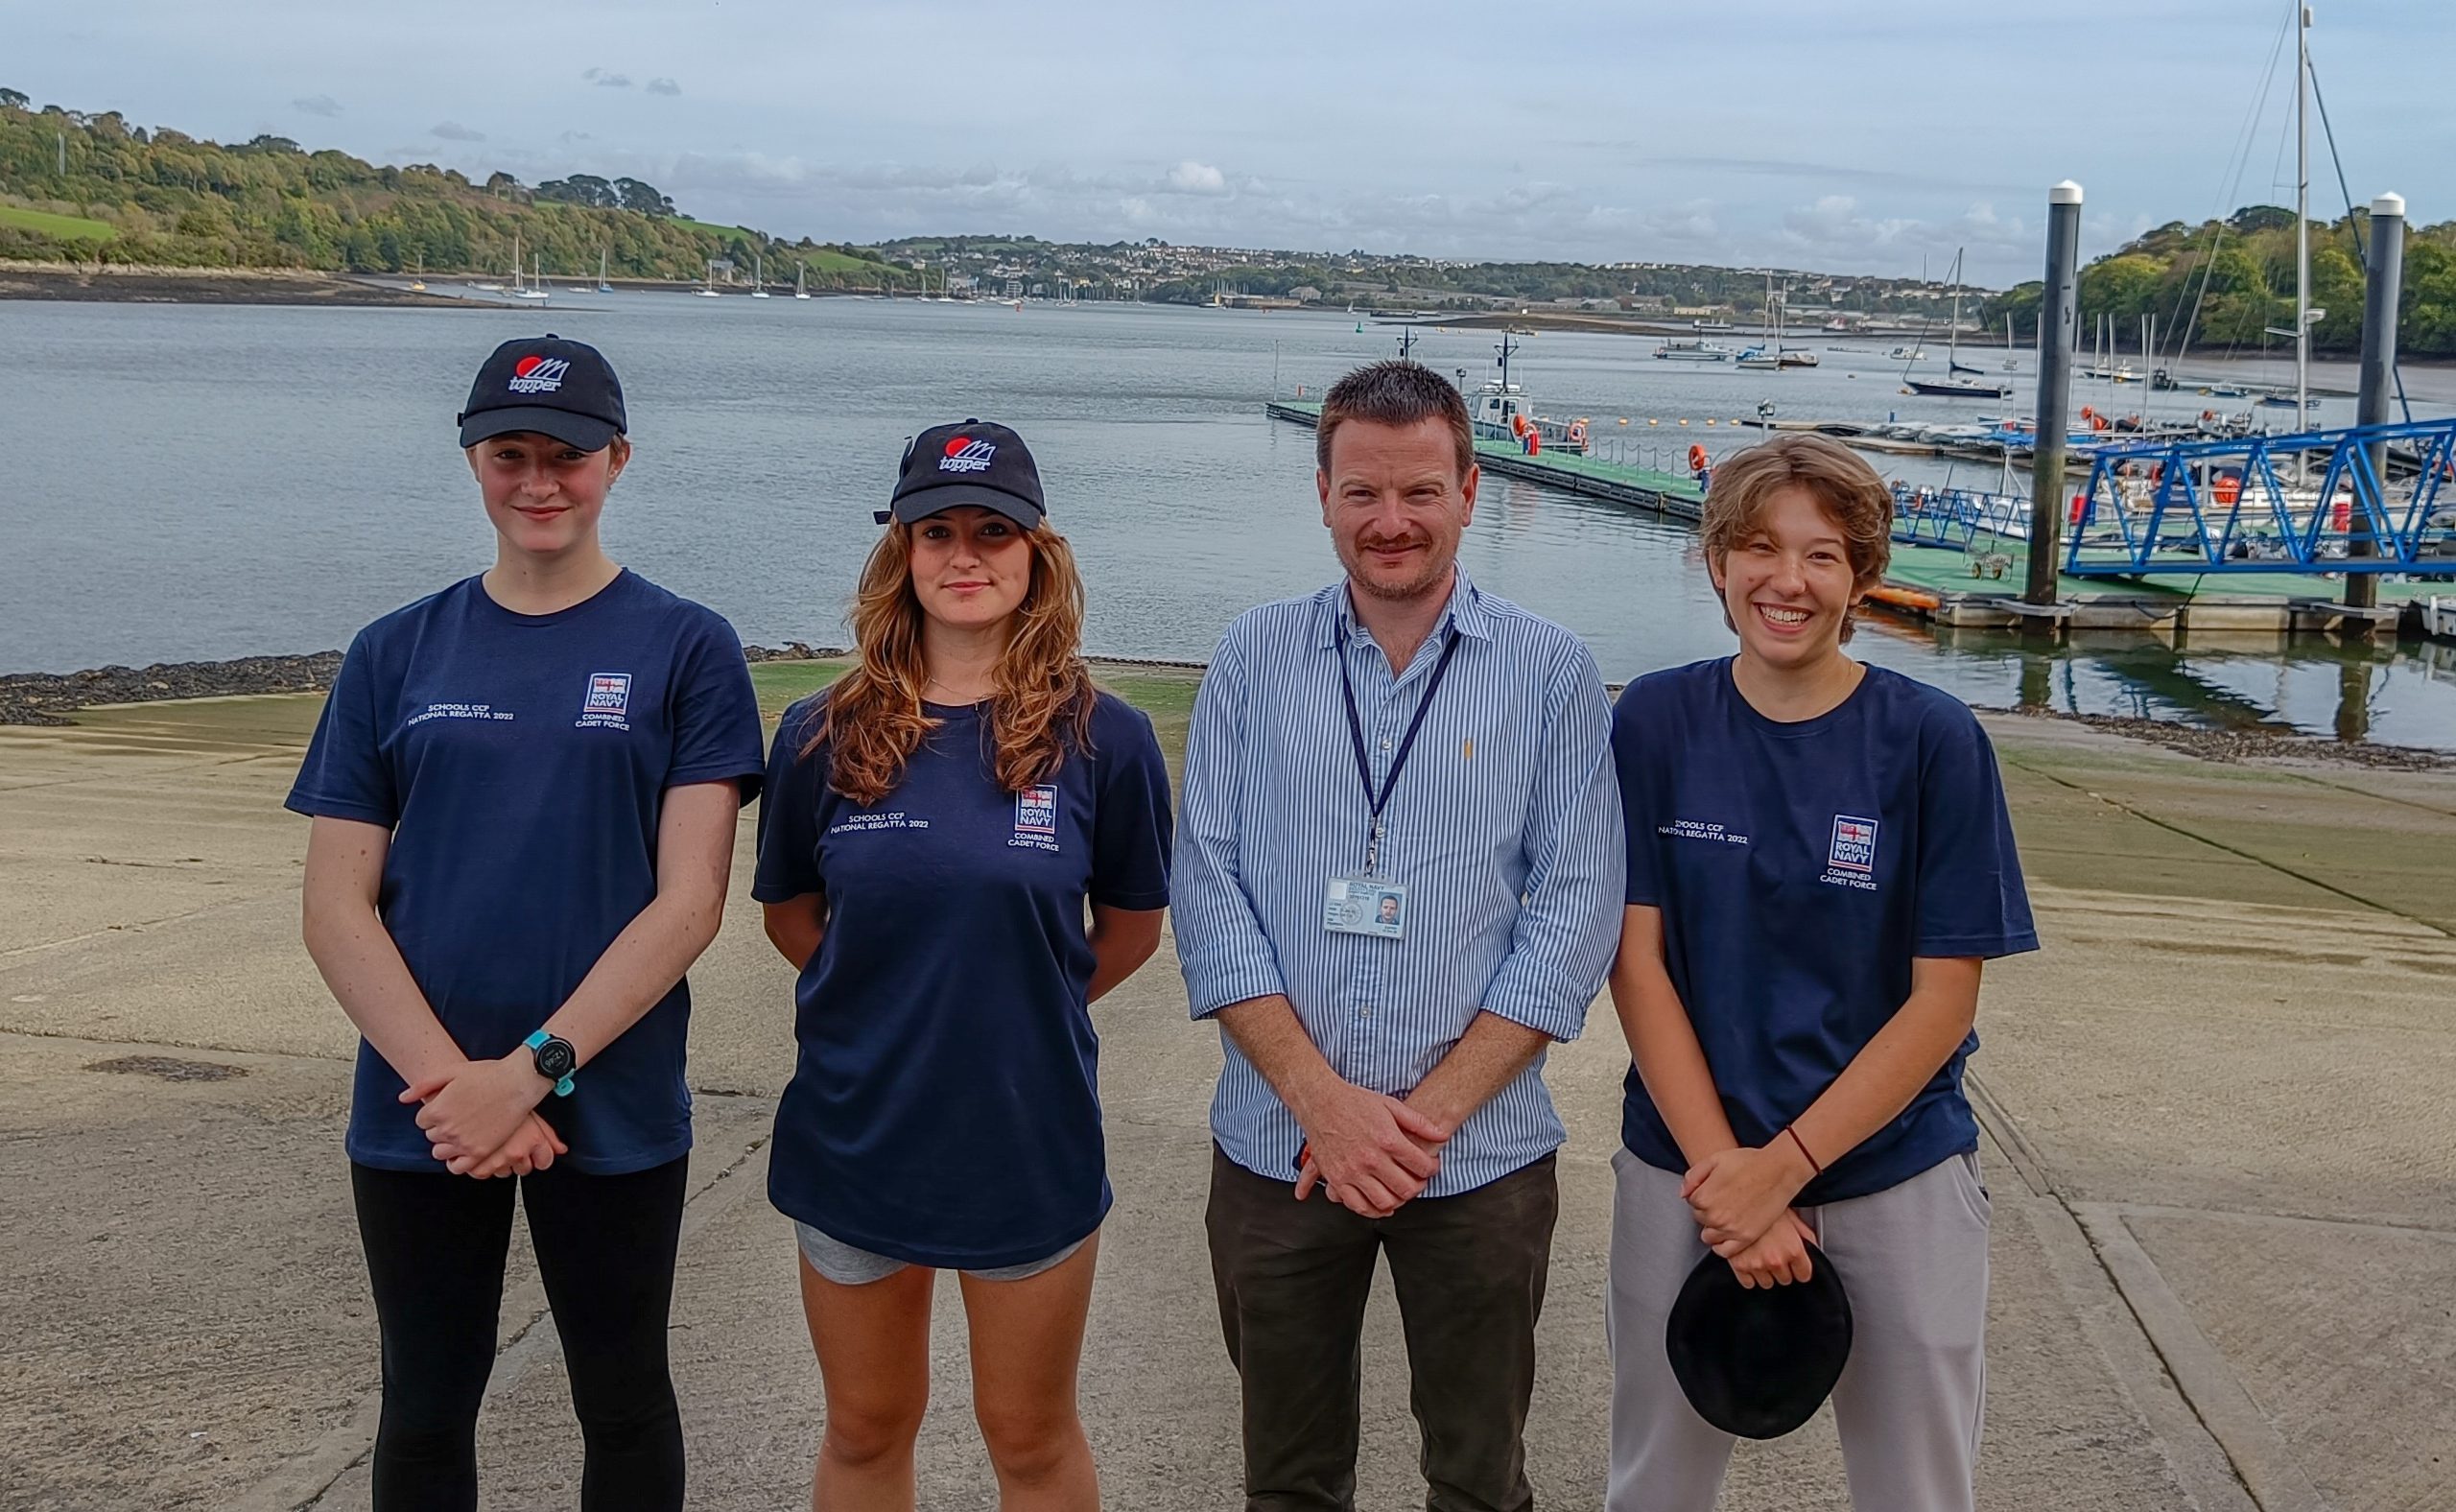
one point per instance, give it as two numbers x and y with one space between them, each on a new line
2302 218
1952 332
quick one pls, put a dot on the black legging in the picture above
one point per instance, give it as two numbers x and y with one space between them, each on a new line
436 1245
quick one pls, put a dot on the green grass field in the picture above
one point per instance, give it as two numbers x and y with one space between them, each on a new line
43 222
823 261
828 262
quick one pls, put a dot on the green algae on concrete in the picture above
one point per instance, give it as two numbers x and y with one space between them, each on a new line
1939 569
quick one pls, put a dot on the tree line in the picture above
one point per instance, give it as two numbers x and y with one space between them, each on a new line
94 188
162 197
2225 286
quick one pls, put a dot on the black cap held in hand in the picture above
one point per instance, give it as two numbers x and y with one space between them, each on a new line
565 389
1758 1361
948 466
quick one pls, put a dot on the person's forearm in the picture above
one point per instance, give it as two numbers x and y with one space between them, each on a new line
1669 1061
1122 941
796 930
637 970
1888 1072
1268 1033
362 965
1488 1057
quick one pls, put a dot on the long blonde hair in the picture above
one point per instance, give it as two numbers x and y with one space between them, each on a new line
1042 705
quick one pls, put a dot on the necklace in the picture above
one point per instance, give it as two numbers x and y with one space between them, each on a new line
959 695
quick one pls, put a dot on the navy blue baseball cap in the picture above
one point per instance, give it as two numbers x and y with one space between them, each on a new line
948 466
1758 1361
565 389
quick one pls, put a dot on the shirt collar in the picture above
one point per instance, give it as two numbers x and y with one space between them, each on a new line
1334 612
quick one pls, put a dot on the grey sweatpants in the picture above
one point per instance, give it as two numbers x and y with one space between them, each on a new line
1913 1259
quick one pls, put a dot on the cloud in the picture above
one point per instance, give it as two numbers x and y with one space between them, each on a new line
1834 222
318 105
664 87
1820 173
455 131
1193 178
607 81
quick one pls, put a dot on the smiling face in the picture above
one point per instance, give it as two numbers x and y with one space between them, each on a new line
1395 504
971 566
544 495
1787 582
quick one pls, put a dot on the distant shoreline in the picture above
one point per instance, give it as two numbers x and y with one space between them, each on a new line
114 285
49 698
41 698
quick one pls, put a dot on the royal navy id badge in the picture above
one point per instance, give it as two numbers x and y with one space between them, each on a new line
1366 905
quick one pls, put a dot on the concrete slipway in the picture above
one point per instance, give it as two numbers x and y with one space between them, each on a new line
2217 1109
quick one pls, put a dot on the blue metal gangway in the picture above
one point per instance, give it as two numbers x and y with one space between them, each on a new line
1970 520
2274 504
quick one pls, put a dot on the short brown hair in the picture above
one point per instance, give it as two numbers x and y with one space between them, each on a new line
1394 392
1843 484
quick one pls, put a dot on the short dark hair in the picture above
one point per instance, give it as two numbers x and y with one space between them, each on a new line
1848 489
1398 392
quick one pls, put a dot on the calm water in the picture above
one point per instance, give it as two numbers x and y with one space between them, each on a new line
197 481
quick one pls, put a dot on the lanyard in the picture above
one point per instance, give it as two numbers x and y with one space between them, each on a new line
1406 744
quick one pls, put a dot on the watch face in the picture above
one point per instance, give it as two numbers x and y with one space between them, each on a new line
555 1060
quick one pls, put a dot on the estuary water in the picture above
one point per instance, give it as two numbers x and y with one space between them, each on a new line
193 481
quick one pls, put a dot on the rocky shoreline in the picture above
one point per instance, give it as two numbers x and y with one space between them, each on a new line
44 697
111 285
38 697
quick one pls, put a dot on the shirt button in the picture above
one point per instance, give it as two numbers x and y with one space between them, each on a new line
1385 745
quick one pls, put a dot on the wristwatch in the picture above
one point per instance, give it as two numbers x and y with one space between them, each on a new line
555 1060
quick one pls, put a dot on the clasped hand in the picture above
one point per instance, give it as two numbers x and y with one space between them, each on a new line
1371 1153
1741 1198
481 1117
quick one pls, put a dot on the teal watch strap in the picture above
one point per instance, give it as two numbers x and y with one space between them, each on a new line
538 1041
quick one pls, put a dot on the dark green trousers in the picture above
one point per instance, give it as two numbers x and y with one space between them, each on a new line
1469 1274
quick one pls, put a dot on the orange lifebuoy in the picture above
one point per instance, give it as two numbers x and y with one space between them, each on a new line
1577 433
1696 458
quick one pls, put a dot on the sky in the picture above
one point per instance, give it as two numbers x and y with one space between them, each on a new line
1876 136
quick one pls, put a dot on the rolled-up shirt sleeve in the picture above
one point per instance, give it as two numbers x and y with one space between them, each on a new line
1220 945
1575 855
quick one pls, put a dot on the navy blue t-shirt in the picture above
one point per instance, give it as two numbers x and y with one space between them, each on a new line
521 762
944 1108
1799 868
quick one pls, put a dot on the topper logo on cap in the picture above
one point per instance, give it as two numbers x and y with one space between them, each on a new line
535 374
966 455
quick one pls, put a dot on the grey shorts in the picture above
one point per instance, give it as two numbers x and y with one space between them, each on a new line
849 1266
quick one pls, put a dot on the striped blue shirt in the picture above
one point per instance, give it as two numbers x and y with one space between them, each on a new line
1505 827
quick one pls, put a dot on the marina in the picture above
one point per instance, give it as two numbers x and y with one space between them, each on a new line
1959 555
1185 500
